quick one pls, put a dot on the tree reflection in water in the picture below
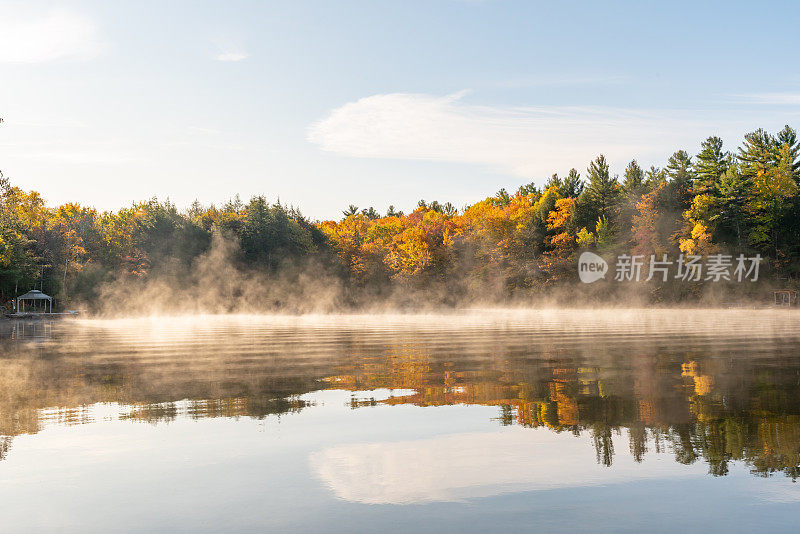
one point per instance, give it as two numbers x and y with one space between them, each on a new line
715 392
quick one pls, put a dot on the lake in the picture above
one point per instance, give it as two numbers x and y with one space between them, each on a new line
473 421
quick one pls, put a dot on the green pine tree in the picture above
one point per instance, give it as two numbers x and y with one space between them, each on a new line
710 164
603 190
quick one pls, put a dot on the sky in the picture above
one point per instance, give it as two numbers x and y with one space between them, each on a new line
324 104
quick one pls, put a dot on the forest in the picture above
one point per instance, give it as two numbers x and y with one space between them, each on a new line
508 247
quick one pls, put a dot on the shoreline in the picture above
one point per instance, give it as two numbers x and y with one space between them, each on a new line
390 313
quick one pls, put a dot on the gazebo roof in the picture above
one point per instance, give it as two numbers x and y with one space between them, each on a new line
34 295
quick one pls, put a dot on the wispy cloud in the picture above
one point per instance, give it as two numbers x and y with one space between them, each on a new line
776 99
562 81
29 37
231 56
229 48
522 141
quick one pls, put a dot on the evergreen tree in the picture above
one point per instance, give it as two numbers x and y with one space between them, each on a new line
710 164
654 177
680 180
529 189
788 138
370 213
756 154
731 216
602 193
553 181
771 165
502 197
634 179
572 185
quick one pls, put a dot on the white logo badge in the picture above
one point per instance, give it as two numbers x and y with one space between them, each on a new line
591 267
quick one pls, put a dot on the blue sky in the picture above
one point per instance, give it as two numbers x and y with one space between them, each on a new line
323 104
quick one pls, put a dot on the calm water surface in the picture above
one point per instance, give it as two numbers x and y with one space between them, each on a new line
612 420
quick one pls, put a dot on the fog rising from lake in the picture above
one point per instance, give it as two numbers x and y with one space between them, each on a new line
679 419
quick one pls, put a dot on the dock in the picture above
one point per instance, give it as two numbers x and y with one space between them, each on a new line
42 315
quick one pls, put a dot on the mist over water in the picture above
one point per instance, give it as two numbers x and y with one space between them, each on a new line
481 406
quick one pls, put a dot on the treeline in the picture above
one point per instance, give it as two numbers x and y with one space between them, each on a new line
742 201
72 250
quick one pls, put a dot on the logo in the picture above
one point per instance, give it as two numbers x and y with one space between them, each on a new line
591 267
687 268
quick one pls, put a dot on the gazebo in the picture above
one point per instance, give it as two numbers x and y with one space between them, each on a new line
785 297
34 296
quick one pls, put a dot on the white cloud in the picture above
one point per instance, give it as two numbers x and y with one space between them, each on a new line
40 37
521 141
231 56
